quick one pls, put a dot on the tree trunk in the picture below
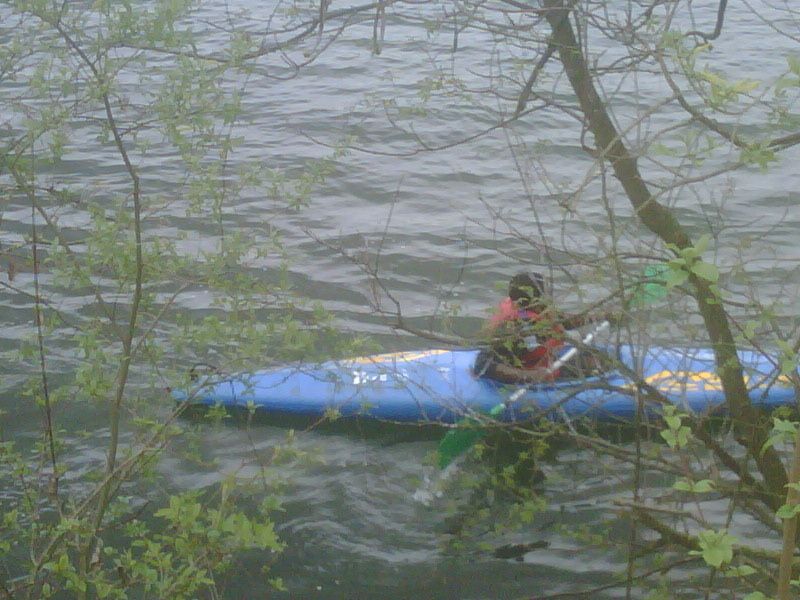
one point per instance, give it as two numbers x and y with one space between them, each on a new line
750 428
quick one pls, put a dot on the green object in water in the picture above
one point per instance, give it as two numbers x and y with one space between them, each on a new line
655 287
457 441
460 438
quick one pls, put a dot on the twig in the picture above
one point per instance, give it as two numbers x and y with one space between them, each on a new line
48 409
789 544
717 28
610 586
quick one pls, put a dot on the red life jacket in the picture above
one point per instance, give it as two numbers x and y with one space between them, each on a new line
544 354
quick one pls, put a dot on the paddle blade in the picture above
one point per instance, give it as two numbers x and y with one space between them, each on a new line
456 442
655 288
460 439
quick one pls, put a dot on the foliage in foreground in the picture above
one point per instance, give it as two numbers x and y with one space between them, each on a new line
125 82
661 119
90 75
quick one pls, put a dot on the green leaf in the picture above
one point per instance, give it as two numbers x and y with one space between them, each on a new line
669 437
758 155
740 571
786 82
277 584
683 436
703 486
716 547
675 277
702 244
707 271
782 431
745 86
794 64
695 487
784 426
661 149
682 485
788 511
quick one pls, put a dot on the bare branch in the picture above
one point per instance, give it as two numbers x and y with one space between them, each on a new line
717 28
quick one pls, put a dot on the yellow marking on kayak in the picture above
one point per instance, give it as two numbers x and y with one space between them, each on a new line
693 381
688 380
395 357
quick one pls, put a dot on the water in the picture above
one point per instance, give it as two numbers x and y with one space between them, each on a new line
451 226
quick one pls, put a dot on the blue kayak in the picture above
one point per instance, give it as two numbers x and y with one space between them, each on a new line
439 386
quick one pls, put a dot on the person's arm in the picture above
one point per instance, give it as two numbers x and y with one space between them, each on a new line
513 375
568 321
550 318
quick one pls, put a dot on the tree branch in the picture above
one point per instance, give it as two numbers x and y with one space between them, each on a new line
717 28
749 426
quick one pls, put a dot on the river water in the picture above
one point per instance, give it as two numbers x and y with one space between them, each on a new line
450 227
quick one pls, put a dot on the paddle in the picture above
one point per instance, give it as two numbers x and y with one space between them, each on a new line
461 438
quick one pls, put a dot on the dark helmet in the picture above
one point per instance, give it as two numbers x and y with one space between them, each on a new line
526 287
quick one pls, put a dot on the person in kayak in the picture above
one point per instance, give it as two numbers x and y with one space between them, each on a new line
525 313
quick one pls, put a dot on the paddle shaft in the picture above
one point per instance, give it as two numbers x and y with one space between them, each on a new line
455 442
568 355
